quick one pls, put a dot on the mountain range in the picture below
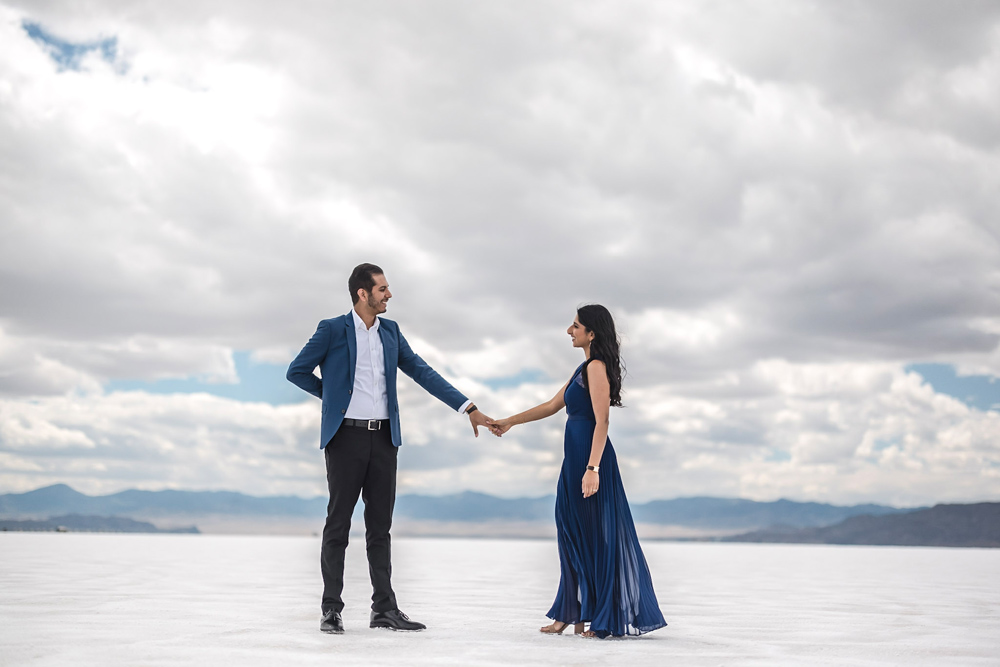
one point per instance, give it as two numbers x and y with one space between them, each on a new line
60 507
63 499
975 525
722 515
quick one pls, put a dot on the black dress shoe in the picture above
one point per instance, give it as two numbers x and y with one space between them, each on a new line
332 623
395 620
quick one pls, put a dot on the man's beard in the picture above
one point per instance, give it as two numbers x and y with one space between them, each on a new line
372 303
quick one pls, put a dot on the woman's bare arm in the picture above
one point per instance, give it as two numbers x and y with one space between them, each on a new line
546 409
600 398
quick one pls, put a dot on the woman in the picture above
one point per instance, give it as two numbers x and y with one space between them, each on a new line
604 577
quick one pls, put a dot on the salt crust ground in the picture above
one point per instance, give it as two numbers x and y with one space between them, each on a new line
214 600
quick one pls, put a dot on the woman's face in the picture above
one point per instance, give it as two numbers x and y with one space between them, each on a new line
581 337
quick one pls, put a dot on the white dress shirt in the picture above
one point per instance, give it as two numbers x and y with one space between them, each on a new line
369 399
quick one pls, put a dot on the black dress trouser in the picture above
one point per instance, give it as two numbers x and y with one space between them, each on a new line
359 461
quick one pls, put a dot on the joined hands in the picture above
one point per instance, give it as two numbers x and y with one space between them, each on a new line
499 426
496 426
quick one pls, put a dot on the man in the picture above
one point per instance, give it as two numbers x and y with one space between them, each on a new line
358 354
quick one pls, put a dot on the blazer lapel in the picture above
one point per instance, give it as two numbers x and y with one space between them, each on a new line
390 356
352 344
383 334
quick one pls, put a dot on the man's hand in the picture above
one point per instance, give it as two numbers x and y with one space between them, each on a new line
478 419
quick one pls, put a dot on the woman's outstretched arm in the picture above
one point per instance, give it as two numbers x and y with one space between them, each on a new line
600 397
546 409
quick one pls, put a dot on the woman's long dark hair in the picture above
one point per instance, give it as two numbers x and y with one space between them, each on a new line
605 346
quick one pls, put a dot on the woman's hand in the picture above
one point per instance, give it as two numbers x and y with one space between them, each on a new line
591 482
499 426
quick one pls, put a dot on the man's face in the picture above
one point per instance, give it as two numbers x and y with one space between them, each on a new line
378 298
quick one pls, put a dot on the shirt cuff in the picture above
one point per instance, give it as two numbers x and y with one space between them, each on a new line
465 406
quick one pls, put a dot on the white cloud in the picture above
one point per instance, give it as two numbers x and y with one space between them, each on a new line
783 206
839 433
103 443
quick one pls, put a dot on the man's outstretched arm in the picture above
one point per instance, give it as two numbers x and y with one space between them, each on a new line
300 371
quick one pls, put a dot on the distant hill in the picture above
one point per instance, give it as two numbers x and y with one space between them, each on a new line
976 525
79 523
737 513
62 499
473 506
720 515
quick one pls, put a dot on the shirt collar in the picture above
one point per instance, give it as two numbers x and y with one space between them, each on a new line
359 323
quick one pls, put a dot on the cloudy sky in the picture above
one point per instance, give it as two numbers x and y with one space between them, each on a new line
792 209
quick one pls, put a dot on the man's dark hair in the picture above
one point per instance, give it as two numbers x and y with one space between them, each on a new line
363 277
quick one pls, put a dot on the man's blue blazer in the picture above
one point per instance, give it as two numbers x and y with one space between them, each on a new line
334 348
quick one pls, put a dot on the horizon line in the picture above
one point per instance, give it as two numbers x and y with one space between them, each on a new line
489 495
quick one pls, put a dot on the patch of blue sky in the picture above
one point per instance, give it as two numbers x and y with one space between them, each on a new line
526 376
881 445
978 391
68 55
258 383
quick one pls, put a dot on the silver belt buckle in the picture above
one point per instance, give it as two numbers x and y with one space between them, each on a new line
376 427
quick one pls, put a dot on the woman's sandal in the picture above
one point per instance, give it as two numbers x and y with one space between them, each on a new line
557 627
589 634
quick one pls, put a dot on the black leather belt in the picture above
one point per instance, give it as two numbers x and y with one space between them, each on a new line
369 424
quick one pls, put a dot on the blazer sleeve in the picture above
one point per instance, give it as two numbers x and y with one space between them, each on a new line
428 378
300 371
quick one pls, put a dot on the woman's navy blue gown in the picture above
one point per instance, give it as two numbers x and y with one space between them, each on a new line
604 577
